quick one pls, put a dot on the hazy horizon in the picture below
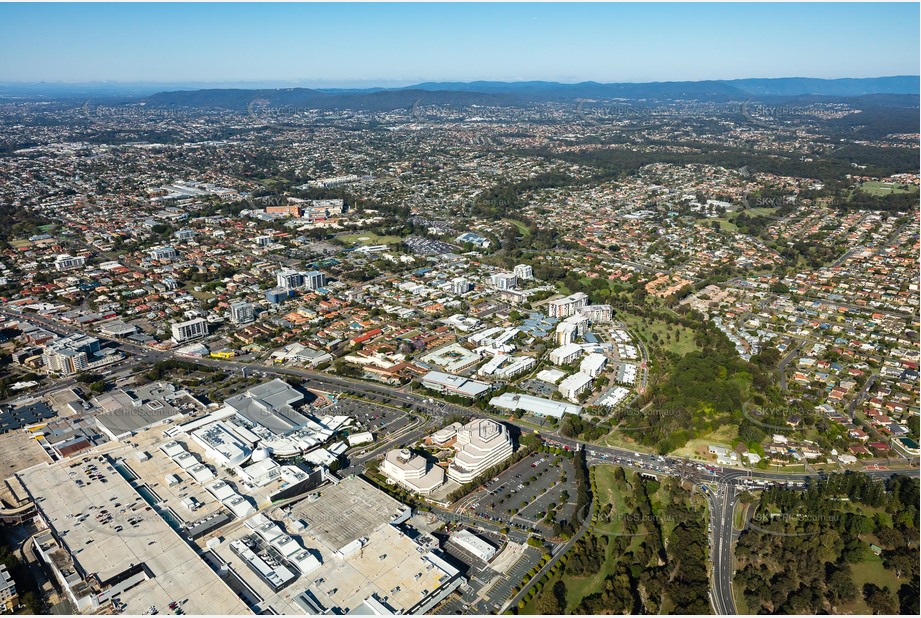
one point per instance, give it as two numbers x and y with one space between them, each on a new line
394 45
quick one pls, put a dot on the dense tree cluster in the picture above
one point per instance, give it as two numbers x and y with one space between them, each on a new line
18 223
798 555
649 569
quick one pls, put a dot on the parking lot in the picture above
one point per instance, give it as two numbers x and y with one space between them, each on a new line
378 419
427 246
494 598
523 493
494 588
539 387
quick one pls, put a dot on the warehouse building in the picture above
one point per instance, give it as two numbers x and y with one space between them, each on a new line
474 545
538 406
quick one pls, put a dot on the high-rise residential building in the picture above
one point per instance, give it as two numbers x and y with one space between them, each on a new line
190 329
565 333
504 281
314 280
565 307
69 355
597 313
289 279
524 272
242 313
461 286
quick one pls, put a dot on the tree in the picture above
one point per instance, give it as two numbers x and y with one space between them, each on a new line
879 600
553 601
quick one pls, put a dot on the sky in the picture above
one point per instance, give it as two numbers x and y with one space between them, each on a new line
398 44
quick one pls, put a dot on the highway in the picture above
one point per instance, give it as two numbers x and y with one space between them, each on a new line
729 482
722 505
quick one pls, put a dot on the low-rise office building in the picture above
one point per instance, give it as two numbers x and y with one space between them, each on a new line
412 471
453 385
474 545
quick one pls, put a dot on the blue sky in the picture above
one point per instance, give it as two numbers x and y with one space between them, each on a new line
390 44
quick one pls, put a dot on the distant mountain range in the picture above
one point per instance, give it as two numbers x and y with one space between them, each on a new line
522 93
491 93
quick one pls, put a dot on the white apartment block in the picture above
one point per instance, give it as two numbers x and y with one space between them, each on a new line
565 307
242 313
575 385
65 361
593 364
504 281
524 272
69 355
461 286
189 330
574 326
565 333
68 262
565 354
314 280
597 313
289 279
162 253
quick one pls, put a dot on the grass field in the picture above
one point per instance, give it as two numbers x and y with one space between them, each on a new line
367 238
755 212
623 439
522 228
726 225
202 295
871 570
875 187
682 339
726 435
610 492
